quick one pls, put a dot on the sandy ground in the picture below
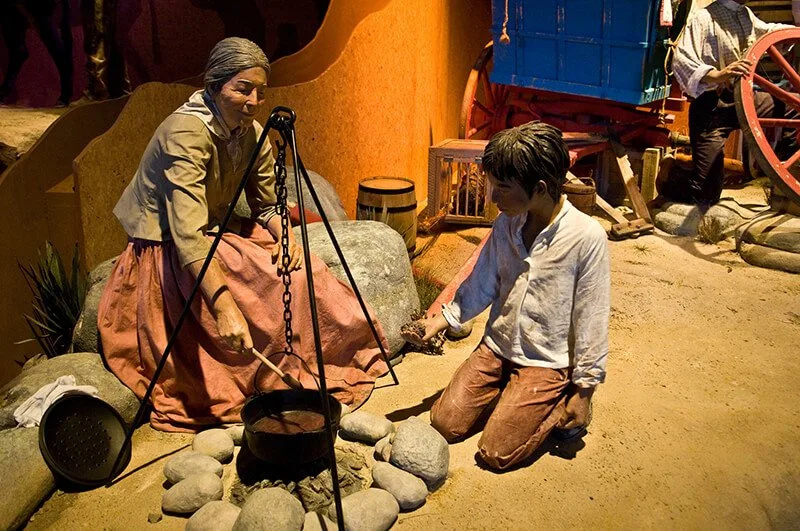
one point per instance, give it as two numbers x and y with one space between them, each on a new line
695 427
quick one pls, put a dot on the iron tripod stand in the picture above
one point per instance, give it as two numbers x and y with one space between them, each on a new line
282 120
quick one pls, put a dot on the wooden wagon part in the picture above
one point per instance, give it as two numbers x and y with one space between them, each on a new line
490 107
623 227
783 172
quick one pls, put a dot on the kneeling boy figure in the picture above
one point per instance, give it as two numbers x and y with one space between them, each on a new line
545 271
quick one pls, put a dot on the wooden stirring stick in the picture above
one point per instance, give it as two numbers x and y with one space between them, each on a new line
288 379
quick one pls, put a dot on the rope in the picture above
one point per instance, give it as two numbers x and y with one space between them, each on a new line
671 45
504 38
746 226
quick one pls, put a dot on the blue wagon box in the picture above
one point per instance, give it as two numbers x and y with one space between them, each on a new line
609 49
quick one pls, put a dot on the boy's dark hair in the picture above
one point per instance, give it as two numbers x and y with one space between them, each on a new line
528 154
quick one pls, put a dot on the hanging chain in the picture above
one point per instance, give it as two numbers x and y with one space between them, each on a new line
283 212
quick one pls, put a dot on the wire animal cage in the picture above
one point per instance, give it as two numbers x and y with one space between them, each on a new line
458 189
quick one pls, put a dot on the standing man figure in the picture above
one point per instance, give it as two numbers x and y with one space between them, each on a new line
708 60
545 272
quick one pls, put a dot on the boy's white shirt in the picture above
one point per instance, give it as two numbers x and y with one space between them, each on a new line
544 299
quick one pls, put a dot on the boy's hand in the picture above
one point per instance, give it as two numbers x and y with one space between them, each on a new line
576 413
421 331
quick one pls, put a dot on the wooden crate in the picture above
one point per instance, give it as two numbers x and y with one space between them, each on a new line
458 189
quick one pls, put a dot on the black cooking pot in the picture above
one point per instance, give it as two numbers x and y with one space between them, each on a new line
280 448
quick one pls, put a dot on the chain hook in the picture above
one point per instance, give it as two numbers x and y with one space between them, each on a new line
283 212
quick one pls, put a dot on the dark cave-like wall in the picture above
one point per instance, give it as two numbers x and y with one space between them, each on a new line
167 40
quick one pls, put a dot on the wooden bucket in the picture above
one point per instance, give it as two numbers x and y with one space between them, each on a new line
582 195
390 200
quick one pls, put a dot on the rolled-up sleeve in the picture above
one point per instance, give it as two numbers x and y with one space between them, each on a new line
185 155
590 314
480 288
260 189
687 65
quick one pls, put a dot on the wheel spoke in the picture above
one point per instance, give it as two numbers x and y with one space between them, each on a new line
792 160
476 130
482 107
779 122
487 88
784 65
776 91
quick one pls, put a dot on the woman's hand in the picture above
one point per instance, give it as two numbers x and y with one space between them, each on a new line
231 325
295 256
295 251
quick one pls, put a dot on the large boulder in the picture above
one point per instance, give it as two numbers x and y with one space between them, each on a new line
85 337
88 369
378 261
326 193
26 479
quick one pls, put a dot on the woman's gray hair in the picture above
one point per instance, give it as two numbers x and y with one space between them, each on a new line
229 57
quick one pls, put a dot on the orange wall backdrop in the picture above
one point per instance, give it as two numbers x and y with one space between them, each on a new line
380 83
395 90
372 104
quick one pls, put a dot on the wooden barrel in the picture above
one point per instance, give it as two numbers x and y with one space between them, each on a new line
390 200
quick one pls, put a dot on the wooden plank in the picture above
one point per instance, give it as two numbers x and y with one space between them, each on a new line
651 162
628 177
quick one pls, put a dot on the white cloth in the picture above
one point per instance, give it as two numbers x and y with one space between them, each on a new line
666 13
715 37
30 412
542 299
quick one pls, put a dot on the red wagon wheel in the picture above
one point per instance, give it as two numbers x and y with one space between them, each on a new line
784 173
483 109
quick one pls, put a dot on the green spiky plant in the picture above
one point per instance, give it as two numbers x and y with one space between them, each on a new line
57 300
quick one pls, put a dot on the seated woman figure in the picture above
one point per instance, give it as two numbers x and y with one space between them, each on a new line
171 211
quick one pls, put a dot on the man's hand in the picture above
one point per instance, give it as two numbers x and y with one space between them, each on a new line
421 330
576 413
295 256
729 73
